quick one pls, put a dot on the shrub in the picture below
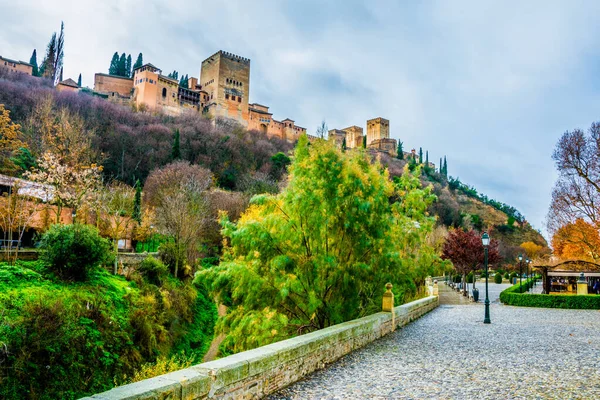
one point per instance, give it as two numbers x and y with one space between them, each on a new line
498 278
514 296
153 270
506 275
71 251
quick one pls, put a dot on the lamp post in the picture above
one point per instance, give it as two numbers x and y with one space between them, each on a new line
520 271
485 240
528 272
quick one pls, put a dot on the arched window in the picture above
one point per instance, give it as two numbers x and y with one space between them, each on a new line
164 93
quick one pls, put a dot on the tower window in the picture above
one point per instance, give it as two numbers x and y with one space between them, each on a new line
226 96
233 98
164 92
239 99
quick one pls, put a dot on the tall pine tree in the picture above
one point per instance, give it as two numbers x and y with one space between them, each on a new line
79 81
365 142
427 158
176 152
47 69
33 62
128 66
445 167
420 155
122 70
138 63
400 155
114 64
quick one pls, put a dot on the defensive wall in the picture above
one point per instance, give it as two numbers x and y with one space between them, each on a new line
256 373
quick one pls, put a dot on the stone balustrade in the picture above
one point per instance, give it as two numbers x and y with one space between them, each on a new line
259 372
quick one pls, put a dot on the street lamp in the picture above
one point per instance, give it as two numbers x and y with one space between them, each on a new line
529 271
520 271
485 240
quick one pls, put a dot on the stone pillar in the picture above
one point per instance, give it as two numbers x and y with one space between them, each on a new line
388 303
435 288
582 286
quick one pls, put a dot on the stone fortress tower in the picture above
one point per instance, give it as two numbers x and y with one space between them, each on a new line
226 79
378 136
377 128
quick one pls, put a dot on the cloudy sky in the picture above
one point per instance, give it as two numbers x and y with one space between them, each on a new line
490 84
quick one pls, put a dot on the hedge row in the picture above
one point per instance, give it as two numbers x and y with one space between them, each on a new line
514 296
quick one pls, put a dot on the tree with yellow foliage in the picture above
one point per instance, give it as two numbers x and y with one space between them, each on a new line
10 141
577 240
532 250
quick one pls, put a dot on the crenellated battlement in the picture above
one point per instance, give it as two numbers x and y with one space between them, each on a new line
234 57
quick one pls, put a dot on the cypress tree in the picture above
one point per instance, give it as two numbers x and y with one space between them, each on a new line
33 62
122 65
427 158
400 155
420 155
47 69
365 142
114 65
138 63
79 81
128 66
137 203
60 77
441 167
344 144
445 167
176 152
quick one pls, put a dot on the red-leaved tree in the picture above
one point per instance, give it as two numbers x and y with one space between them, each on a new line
465 250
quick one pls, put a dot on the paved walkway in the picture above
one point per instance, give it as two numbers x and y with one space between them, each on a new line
526 353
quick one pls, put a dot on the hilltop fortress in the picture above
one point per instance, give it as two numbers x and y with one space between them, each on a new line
222 91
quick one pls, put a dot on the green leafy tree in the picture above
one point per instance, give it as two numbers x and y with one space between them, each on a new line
138 63
320 252
400 155
280 162
72 251
79 81
33 62
114 65
176 150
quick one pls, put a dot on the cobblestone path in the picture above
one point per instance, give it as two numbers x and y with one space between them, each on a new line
526 353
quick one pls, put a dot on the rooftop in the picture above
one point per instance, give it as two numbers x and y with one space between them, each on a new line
69 82
113 76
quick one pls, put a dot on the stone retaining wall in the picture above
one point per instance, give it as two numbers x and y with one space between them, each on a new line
259 372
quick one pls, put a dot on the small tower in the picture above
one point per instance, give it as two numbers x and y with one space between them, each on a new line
377 128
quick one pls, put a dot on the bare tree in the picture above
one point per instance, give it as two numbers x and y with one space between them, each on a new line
17 213
116 207
322 130
177 192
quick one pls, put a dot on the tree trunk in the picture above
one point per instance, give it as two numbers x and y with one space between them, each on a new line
464 284
176 265
116 257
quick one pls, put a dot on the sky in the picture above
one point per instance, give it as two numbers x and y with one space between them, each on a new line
492 85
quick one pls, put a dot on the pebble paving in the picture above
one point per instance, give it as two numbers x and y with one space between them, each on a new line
525 353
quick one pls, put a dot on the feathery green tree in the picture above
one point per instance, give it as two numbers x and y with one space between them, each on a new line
320 252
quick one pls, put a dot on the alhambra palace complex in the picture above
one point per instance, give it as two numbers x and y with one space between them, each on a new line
223 92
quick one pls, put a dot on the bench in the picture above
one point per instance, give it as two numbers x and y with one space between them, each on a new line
10 244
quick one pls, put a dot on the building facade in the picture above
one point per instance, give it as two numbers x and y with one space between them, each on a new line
16 66
377 138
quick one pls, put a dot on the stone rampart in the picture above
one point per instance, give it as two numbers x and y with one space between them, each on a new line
259 372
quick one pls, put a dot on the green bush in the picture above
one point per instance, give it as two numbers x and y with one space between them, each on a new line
72 251
515 296
498 278
153 270
506 275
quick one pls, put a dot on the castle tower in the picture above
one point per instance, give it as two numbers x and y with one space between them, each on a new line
377 128
226 79
354 136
